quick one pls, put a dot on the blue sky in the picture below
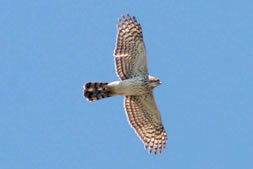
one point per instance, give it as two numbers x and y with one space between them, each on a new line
201 50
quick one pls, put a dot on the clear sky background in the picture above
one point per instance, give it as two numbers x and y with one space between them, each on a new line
201 50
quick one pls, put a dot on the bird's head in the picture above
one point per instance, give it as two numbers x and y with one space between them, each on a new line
153 81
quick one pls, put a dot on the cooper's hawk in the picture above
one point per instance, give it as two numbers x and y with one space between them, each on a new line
135 84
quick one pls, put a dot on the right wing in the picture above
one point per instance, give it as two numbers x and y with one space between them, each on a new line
129 52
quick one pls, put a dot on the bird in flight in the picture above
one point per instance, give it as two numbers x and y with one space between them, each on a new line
136 85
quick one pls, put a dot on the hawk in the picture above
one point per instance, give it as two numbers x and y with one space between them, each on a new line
136 85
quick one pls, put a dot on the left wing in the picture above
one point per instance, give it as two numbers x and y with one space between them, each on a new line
144 117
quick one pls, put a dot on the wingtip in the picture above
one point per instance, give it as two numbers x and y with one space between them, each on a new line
124 18
155 151
150 150
160 150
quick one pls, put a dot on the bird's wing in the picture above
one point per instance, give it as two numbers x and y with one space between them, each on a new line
130 53
143 115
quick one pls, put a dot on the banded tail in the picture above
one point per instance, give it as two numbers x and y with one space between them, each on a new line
95 90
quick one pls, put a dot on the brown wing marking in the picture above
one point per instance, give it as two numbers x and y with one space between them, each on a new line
146 121
129 49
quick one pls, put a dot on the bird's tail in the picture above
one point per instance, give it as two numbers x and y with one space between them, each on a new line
95 90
